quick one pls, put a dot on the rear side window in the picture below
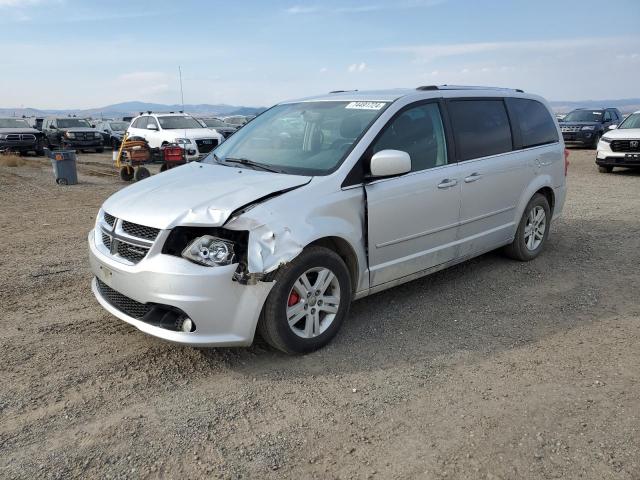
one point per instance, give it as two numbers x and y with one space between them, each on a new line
480 127
536 125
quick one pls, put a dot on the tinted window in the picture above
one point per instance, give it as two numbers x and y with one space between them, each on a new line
419 132
607 116
535 121
151 121
481 128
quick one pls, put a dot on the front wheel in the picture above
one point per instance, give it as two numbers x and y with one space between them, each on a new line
308 303
602 169
533 230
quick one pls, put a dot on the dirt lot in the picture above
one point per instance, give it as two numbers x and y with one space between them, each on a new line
492 369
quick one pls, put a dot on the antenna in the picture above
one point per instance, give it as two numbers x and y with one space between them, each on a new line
181 91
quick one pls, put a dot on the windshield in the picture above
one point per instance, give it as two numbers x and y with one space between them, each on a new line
72 122
214 122
632 121
173 123
119 126
13 123
584 116
307 138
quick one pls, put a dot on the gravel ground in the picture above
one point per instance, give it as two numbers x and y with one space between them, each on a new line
491 369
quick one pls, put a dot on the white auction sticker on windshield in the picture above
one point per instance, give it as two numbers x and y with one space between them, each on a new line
597 113
366 105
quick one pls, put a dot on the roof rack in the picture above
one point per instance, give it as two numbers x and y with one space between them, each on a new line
465 87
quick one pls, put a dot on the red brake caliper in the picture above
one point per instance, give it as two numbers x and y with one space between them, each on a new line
293 299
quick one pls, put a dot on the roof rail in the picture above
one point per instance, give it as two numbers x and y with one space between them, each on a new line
465 87
343 91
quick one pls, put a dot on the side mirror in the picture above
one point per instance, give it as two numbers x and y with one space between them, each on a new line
152 126
390 162
613 127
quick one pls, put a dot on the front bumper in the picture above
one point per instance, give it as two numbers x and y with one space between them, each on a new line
21 145
225 313
581 138
605 157
97 143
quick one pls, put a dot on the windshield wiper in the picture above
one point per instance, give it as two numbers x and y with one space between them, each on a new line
251 163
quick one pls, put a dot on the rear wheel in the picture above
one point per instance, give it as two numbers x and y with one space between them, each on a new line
142 173
126 173
602 169
308 303
533 230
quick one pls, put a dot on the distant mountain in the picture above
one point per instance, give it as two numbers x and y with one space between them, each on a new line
134 108
627 105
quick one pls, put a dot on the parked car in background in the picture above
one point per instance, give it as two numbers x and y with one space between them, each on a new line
365 191
237 120
223 128
69 132
584 126
620 146
112 132
18 136
160 129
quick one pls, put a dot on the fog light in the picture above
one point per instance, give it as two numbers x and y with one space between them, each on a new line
187 325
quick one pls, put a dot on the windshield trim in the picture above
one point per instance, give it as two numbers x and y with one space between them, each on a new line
308 172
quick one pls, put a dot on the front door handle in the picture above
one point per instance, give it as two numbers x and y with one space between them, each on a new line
473 177
448 183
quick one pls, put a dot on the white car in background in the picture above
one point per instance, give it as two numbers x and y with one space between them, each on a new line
160 129
620 146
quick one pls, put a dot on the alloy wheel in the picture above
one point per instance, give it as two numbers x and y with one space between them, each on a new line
313 302
535 228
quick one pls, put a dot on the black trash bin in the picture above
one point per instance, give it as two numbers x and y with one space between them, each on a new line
64 166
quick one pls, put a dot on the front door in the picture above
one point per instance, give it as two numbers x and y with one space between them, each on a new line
412 218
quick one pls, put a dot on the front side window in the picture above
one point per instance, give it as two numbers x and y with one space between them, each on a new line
178 122
13 123
481 128
607 116
73 123
632 121
151 121
536 124
306 138
419 132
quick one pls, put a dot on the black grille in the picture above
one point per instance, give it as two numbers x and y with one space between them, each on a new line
205 146
110 219
106 240
123 303
625 146
140 231
131 252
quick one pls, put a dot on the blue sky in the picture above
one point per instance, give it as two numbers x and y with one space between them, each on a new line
83 53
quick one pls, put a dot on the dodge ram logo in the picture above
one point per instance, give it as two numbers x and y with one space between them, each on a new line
633 143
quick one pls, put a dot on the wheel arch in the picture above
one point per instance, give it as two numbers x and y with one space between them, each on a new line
345 251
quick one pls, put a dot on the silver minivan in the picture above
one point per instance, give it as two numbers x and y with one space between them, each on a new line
324 200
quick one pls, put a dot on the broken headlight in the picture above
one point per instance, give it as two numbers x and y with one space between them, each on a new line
210 251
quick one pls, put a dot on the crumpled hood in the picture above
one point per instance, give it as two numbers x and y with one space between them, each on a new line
195 194
623 134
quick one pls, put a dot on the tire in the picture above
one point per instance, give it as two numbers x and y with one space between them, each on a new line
596 140
126 173
602 169
522 248
99 150
142 173
305 335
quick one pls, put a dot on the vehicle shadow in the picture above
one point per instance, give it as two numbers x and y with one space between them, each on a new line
482 306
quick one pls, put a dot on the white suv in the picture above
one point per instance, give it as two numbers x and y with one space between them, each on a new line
160 129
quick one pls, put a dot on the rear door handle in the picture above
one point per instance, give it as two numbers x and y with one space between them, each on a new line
447 183
473 177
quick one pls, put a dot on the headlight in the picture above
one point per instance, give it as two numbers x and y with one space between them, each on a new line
210 251
70 135
3 136
97 135
605 139
588 127
182 140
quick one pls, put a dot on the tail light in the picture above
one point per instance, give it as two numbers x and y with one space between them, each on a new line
566 161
